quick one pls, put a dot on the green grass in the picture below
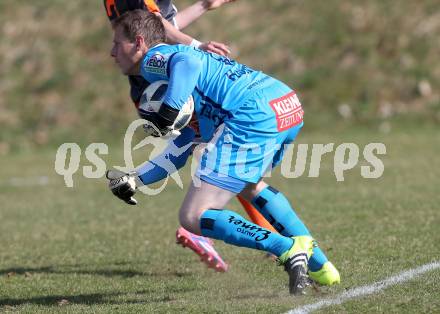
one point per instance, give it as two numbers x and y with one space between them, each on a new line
82 245
57 74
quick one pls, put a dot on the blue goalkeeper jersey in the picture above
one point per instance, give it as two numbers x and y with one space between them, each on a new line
218 84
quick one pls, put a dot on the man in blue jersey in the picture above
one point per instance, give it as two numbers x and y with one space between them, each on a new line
247 117
174 22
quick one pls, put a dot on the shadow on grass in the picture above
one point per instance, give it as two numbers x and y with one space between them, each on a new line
111 298
92 299
82 269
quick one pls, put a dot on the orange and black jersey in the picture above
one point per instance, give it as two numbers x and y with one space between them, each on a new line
115 8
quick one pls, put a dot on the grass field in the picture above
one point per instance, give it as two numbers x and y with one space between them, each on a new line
372 59
80 250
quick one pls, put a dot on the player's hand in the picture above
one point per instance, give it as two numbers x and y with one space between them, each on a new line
153 128
214 4
122 185
215 47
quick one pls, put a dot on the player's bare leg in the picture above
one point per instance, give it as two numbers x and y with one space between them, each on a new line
198 200
204 247
202 213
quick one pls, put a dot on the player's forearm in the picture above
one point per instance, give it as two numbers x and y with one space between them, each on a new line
174 36
172 159
190 14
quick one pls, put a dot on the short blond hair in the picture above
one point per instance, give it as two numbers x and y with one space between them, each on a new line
141 23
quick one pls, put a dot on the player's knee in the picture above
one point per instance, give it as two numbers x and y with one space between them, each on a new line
252 190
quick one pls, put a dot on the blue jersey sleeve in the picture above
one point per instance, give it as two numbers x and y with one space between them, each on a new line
177 152
184 71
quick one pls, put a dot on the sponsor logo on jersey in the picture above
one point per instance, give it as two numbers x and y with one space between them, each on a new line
156 64
288 111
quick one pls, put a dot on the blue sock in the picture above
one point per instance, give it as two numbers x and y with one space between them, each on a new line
275 207
233 229
317 260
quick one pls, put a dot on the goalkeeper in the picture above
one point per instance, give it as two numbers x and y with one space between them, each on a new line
234 105
173 22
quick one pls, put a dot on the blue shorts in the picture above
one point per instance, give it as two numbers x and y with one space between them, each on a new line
253 139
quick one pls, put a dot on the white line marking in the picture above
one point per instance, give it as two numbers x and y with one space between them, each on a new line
367 289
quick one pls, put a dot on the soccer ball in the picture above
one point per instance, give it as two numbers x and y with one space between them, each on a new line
152 99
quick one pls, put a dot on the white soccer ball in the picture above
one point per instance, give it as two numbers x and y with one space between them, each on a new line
152 99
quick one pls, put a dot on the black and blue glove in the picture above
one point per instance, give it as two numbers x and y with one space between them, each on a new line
161 122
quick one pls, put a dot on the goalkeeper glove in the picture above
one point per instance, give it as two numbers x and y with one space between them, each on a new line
122 185
162 121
